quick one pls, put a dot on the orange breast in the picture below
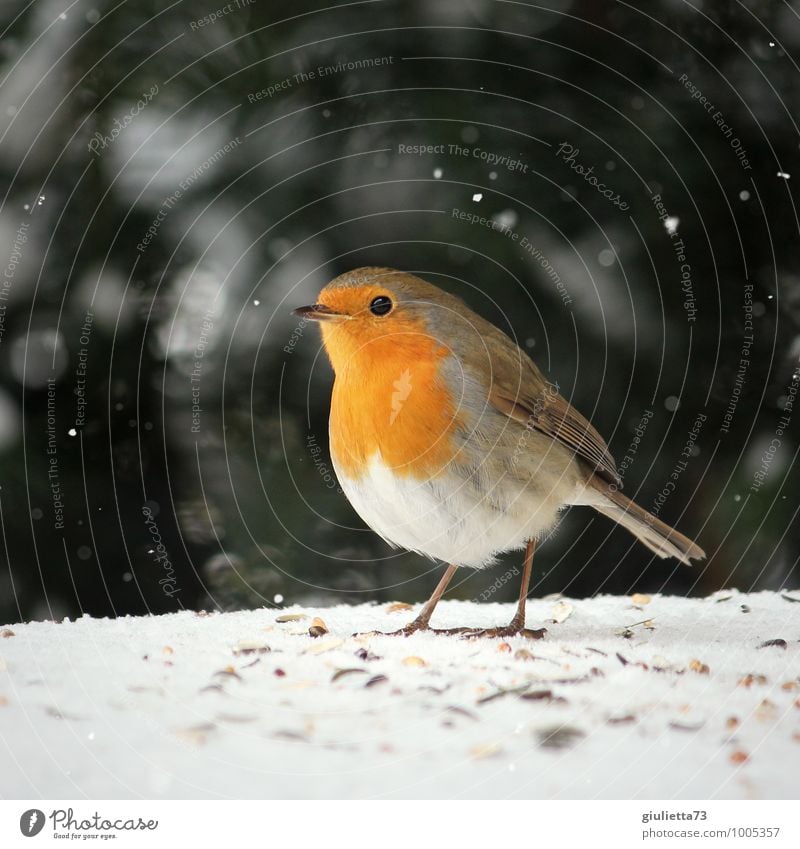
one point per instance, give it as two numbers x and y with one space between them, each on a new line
388 396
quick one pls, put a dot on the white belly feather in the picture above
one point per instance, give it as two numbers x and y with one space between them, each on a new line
445 518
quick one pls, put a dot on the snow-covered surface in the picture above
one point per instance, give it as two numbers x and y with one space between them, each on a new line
690 704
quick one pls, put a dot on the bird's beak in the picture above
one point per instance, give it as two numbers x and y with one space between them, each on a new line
319 312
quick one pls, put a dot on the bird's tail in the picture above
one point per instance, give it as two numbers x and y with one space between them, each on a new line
648 529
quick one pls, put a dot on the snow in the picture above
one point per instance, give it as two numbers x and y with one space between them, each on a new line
671 223
626 697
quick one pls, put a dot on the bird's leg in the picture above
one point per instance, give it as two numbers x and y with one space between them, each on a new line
517 625
518 622
421 622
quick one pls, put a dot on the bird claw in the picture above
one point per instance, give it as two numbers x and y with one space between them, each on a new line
511 630
414 628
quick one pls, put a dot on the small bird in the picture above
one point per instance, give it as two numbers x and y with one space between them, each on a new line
448 440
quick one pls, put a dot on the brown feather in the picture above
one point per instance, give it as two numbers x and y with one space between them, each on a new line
553 415
520 391
658 536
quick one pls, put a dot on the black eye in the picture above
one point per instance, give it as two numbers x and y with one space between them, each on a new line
380 305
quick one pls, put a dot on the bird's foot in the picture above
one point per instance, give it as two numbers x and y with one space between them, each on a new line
414 628
515 629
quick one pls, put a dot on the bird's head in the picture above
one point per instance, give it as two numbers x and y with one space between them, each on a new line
374 314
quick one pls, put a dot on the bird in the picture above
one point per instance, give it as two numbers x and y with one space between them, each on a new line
449 441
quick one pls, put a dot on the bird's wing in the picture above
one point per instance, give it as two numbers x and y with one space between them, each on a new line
520 391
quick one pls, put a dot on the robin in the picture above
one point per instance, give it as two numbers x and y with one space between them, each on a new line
448 440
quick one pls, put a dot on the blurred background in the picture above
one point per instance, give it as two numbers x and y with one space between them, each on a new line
611 183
